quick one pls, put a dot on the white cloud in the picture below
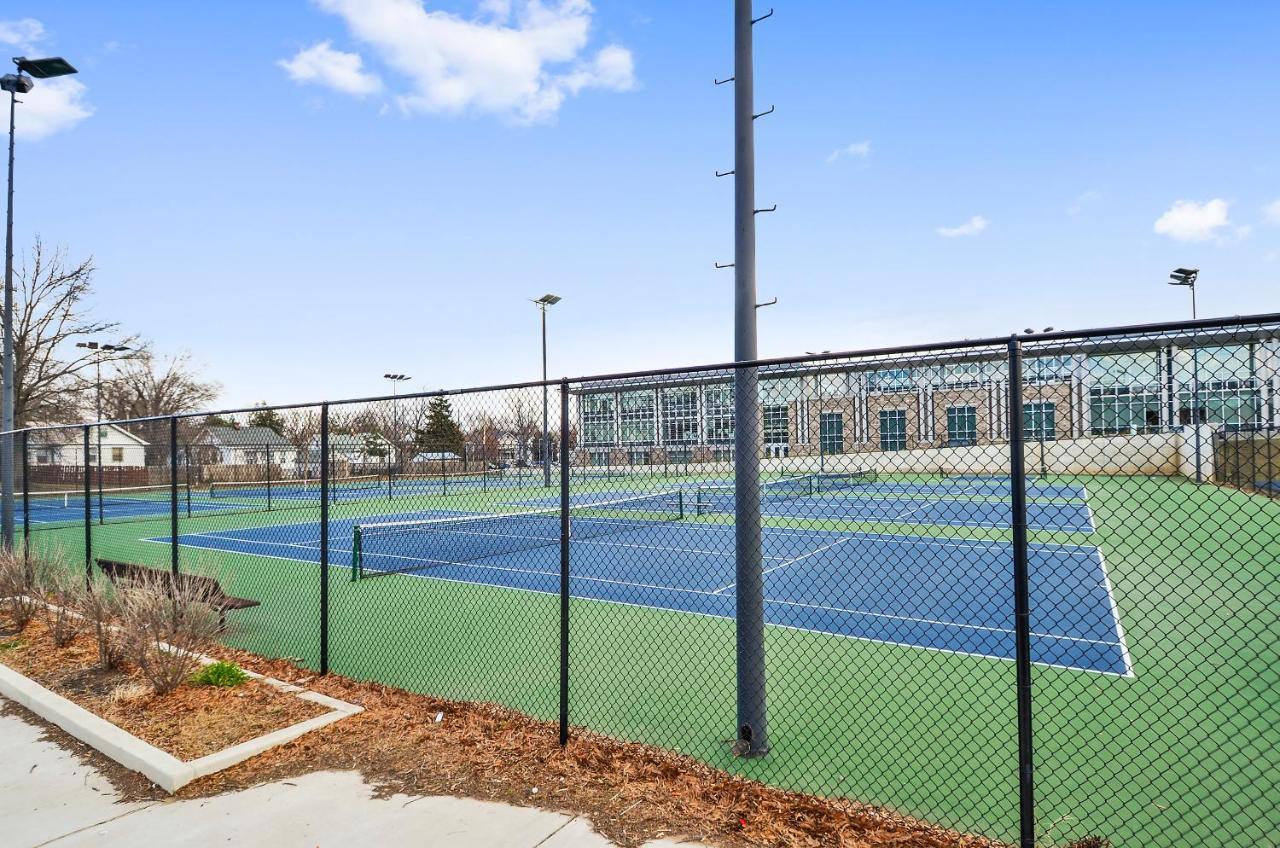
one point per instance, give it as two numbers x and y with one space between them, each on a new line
51 106
1271 255
972 227
335 69
1187 220
859 150
22 33
1272 211
516 58
1084 199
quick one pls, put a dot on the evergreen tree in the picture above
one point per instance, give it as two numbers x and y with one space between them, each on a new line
268 418
441 433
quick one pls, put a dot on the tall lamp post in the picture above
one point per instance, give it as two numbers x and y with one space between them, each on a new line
1038 424
543 302
15 84
396 380
817 381
1187 277
99 350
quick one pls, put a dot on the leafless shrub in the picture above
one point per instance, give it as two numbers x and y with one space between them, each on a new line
21 585
100 603
63 593
166 625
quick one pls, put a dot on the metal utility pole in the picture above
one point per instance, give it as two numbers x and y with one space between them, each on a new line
1187 277
752 732
543 302
15 84
98 351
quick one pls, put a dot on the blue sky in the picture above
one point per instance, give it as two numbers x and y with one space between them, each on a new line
306 195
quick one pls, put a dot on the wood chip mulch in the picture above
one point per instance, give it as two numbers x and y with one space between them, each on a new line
188 723
631 793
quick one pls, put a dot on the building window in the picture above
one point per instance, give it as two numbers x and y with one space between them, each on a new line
722 455
1235 404
1047 369
48 456
639 456
893 429
637 417
890 380
117 455
776 421
1123 411
1038 422
598 457
680 456
962 426
719 403
831 432
598 420
680 416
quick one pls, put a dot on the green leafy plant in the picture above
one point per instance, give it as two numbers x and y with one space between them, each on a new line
10 644
220 673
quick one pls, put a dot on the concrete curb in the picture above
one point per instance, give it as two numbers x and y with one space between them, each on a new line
160 767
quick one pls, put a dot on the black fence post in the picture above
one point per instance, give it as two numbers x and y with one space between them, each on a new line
268 477
173 495
88 509
564 562
26 494
324 538
1021 595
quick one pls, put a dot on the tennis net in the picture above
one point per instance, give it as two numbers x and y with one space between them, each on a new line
307 489
396 547
722 499
128 496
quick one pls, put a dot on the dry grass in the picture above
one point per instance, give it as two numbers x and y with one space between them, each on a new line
188 722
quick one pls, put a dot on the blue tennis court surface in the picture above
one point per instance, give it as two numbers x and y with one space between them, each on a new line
1073 517
930 593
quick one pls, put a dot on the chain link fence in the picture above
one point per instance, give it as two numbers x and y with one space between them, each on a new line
1021 588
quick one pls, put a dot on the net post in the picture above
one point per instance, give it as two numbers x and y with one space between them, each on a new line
88 509
26 494
324 538
355 553
173 495
1021 594
564 558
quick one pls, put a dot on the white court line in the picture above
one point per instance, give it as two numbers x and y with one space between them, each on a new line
797 628
1115 614
787 562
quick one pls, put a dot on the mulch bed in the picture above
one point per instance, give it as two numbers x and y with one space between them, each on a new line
630 793
188 723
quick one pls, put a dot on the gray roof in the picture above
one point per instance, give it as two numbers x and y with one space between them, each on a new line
245 437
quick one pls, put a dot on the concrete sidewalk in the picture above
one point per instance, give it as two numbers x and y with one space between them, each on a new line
47 797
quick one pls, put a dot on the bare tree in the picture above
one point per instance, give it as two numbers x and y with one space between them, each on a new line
51 379
145 385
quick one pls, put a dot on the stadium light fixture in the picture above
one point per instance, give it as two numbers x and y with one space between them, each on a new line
15 84
543 302
1186 277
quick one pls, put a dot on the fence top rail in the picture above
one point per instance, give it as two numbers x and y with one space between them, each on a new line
900 350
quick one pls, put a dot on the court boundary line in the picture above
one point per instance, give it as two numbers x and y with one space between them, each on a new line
702 592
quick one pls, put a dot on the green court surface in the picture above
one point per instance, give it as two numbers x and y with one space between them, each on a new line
1141 759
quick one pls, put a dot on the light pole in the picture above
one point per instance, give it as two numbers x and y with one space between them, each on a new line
396 380
1040 400
15 84
99 350
817 381
543 302
1187 277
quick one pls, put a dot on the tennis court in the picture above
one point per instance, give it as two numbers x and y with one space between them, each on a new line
929 593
